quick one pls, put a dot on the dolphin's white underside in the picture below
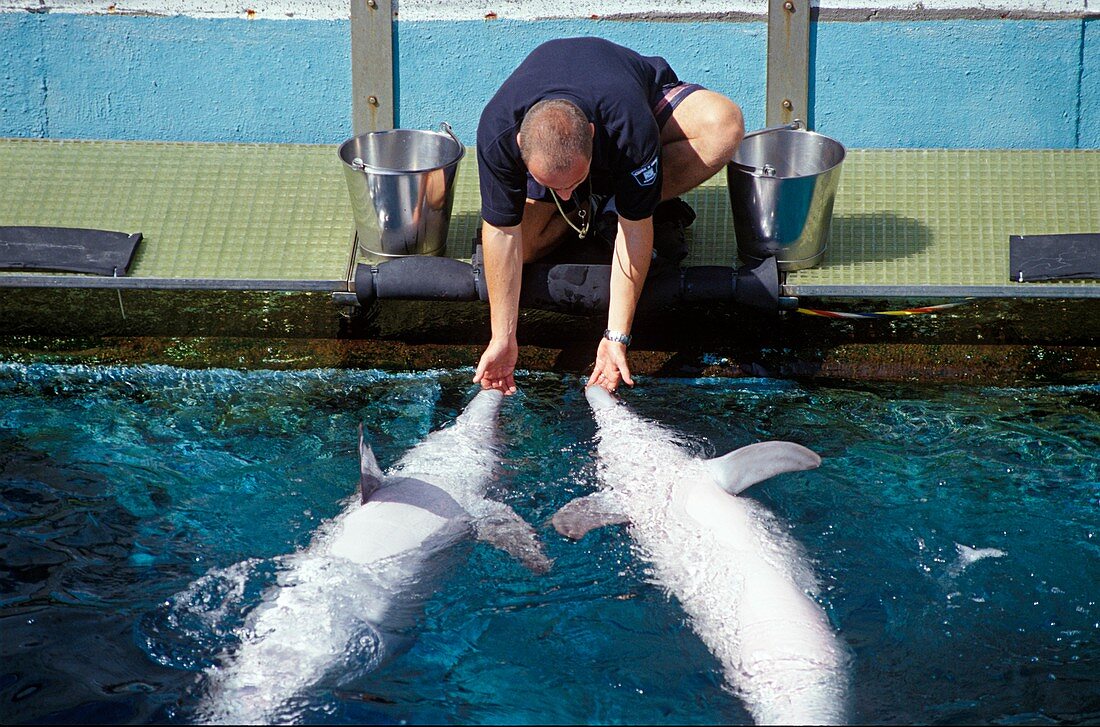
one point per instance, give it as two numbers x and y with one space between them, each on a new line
744 583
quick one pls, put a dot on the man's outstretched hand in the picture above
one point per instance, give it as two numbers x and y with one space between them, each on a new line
611 366
497 366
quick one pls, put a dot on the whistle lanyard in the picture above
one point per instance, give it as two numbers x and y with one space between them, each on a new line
586 222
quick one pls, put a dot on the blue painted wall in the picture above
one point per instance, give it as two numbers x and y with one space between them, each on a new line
726 57
957 83
1004 84
22 77
949 84
1089 116
179 79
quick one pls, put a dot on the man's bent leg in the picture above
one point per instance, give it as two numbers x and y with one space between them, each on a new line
699 140
543 229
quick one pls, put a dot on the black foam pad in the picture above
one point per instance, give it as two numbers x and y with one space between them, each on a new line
1053 257
67 250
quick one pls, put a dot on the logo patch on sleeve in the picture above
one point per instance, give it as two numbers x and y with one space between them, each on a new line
645 176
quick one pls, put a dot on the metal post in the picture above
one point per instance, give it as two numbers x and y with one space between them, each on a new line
788 62
372 104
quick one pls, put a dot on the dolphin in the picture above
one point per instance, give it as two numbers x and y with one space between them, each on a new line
969 556
366 573
742 580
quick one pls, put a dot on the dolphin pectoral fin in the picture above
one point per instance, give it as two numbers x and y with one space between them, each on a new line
370 474
502 527
744 467
576 518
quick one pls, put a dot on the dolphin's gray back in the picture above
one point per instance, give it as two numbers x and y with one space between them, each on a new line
421 494
459 459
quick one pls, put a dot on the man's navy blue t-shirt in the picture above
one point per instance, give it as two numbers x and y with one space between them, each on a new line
616 89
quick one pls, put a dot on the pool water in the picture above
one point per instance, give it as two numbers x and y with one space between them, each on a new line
144 512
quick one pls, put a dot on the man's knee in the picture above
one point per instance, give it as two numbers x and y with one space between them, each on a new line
713 124
723 127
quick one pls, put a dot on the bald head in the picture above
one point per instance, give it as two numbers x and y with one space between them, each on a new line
555 134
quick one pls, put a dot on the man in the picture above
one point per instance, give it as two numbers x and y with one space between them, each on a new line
583 117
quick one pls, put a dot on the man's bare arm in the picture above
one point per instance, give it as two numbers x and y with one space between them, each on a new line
629 267
502 249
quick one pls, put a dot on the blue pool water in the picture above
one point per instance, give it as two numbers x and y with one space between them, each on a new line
144 511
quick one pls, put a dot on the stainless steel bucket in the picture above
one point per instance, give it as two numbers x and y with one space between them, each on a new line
782 184
402 186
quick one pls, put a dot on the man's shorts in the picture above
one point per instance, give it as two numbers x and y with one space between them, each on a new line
673 94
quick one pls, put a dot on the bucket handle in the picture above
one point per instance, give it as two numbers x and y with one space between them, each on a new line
768 170
450 132
794 126
360 166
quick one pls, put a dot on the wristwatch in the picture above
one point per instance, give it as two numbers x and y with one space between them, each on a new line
618 337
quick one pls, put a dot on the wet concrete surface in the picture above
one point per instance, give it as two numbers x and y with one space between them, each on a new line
988 341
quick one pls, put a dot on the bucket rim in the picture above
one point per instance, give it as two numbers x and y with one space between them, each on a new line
757 172
375 169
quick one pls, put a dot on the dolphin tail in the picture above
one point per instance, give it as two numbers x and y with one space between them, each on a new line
370 474
503 528
579 516
744 467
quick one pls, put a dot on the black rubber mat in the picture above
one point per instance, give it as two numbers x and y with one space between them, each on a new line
67 250
1054 257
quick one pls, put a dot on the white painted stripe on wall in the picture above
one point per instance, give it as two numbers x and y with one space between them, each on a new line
272 9
453 10
539 9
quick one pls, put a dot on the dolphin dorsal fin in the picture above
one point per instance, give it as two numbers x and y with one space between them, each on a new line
370 474
744 467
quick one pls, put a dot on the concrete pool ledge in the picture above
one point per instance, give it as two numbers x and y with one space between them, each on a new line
982 342
245 242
